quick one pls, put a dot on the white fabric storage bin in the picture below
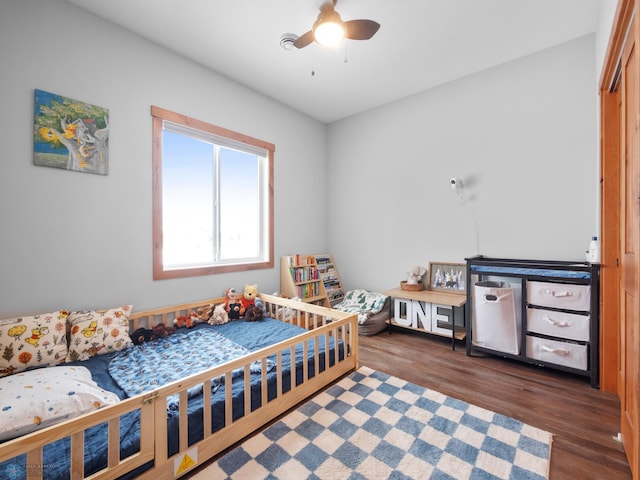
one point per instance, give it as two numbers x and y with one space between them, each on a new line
560 353
496 317
558 324
559 295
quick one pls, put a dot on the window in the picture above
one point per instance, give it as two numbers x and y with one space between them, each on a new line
212 198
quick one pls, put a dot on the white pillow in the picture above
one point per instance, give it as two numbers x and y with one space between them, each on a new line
39 398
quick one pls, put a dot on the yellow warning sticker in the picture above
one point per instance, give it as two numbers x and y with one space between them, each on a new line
184 462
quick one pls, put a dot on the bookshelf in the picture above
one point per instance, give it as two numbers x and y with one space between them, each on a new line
299 277
330 278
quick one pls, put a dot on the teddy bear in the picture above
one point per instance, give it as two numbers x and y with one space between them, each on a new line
260 304
142 335
219 315
253 313
232 303
248 297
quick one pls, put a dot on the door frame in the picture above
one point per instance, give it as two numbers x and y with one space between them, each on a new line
614 375
610 165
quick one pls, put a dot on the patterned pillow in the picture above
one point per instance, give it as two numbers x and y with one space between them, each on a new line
35 341
96 332
42 397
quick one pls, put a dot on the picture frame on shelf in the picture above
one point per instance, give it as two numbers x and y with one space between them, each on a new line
447 277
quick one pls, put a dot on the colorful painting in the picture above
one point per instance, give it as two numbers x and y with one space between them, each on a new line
70 134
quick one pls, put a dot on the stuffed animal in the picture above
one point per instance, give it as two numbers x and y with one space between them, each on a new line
160 331
203 314
415 274
253 313
219 315
184 321
232 304
142 335
248 297
260 304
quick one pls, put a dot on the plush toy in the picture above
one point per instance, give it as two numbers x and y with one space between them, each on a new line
203 314
232 304
415 274
253 313
219 315
142 335
260 304
248 297
184 321
160 331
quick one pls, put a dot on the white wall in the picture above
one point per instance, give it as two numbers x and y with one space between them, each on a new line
523 138
603 32
75 240
607 14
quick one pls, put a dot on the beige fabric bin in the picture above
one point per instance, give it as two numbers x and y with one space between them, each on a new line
559 353
559 324
559 295
496 318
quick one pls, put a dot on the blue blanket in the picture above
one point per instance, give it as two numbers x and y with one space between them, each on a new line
149 366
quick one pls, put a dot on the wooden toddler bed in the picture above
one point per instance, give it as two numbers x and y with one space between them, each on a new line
295 351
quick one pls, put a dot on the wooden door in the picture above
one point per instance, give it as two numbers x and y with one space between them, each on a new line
610 161
630 249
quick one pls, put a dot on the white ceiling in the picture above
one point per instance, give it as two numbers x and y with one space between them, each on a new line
420 44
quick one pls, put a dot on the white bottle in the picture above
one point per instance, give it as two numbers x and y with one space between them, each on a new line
594 250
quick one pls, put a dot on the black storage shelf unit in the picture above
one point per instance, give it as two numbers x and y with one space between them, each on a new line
544 275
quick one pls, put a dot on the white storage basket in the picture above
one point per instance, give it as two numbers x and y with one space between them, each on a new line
496 319
559 324
559 295
559 353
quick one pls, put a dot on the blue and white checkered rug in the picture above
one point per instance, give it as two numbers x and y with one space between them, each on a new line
374 426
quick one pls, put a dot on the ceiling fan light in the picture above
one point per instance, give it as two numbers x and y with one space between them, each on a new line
329 34
328 30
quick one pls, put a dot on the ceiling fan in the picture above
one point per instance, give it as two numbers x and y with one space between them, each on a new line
329 29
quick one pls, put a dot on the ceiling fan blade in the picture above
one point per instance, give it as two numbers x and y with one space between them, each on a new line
304 40
360 29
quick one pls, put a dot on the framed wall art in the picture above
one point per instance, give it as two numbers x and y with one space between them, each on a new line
70 134
447 277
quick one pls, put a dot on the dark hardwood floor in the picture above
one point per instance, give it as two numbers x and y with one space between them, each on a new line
583 420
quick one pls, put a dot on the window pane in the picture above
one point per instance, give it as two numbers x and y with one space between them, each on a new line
212 198
239 205
187 201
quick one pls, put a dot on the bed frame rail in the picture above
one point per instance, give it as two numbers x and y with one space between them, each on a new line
325 328
33 444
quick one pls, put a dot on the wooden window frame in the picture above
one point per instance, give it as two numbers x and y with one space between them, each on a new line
161 115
